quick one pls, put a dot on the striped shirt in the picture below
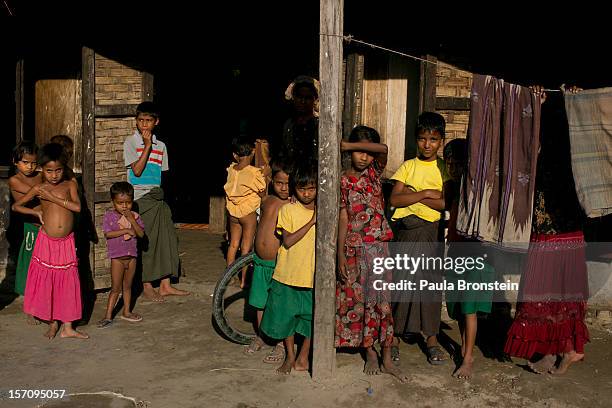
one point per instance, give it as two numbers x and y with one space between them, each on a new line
151 175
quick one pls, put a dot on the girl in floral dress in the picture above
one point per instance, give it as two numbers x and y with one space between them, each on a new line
364 314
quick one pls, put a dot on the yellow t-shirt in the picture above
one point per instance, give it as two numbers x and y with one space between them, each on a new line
420 175
295 266
242 190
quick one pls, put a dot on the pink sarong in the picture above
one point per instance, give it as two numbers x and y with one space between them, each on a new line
53 291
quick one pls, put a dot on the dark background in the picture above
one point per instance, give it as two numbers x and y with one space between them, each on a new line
222 70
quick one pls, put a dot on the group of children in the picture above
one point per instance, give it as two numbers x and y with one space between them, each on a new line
282 280
46 192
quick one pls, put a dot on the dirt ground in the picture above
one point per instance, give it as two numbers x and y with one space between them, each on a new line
174 358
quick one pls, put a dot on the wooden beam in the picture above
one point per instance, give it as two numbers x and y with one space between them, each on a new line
102 197
428 85
328 199
353 93
114 111
88 137
19 101
147 87
452 103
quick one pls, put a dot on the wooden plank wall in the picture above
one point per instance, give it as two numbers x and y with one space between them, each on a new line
385 90
58 112
118 90
453 89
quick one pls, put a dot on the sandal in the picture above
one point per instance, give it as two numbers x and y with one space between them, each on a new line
435 355
277 354
132 318
255 345
104 323
395 355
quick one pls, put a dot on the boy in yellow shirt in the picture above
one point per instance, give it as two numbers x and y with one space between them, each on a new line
418 200
289 307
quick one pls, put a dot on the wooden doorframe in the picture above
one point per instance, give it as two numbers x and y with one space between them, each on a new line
19 96
427 86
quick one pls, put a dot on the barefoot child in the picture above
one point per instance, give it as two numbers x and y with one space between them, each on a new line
243 191
267 244
418 200
363 315
52 288
121 228
289 307
26 177
146 157
464 305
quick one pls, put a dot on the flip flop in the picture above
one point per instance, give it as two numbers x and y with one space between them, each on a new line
254 346
105 323
275 356
136 318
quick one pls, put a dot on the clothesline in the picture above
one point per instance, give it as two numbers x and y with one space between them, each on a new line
349 38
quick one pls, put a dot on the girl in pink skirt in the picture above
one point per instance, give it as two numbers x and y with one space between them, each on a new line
53 292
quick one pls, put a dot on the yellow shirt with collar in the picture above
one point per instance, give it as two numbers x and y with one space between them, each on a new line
421 175
295 266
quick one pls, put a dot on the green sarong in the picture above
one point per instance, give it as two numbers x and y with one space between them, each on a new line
460 303
160 250
30 231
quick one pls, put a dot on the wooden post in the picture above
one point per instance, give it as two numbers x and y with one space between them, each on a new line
328 200
147 87
353 93
428 85
217 218
19 101
88 137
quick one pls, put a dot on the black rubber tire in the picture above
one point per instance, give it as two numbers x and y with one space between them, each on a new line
218 306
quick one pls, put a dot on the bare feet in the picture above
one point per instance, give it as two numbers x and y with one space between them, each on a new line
543 365
152 295
72 333
170 291
32 321
286 367
567 360
371 366
243 280
300 365
464 372
53 328
389 368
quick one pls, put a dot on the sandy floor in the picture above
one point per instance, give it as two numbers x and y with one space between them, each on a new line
174 358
